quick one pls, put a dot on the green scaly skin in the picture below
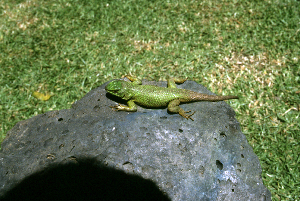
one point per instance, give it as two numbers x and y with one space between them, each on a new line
154 96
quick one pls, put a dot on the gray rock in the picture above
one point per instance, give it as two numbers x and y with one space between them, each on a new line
205 159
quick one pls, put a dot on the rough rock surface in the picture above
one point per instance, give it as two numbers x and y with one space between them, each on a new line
205 159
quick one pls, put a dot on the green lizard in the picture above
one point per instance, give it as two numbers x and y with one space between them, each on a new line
154 96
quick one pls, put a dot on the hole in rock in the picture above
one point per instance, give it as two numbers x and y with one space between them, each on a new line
201 170
128 166
50 156
126 163
223 134
263 198
96 108
60 119
242 155
65 131
180 130
219 165
72 158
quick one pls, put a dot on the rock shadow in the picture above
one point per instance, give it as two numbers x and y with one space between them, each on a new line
84 179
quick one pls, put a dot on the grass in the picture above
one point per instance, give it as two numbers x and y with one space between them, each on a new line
248 48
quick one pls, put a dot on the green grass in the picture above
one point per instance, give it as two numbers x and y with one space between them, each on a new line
248 48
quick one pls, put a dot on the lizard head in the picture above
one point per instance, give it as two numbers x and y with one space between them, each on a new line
117 88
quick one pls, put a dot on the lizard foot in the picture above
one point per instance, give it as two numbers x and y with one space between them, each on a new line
187 116
118 107
131 108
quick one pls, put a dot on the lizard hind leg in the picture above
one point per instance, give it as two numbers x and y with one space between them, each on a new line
172 81
174 108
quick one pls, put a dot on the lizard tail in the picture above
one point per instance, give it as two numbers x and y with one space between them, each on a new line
205 97
217 98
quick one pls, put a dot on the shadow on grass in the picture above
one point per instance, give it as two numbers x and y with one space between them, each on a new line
85 179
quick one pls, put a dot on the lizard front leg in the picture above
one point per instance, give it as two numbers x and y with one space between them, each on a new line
174 108
134 79
130 108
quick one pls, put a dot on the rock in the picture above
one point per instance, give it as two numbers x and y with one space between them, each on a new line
178 159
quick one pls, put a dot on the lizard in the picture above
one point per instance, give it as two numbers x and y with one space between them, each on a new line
154 96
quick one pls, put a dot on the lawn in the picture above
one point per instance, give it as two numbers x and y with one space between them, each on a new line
249 48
